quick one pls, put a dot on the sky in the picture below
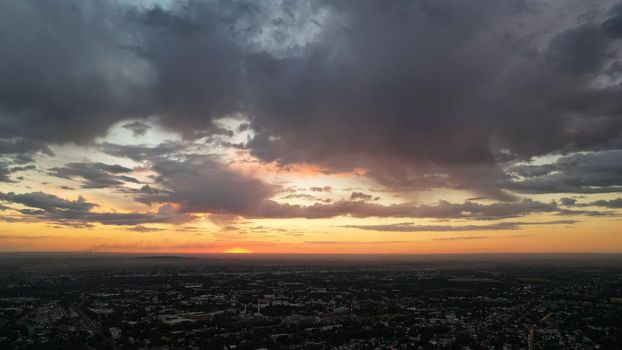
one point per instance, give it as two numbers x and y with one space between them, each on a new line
389 127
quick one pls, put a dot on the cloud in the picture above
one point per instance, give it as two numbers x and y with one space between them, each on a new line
47 207
95 175
17 146
411 227
15 153
351 242
361 196
460 238
306 196
25 237
418 95
568 201
443 209
467 238
65 75
137 128
428 94
593 172
321 189
580 50
142 153
141 228
6 171
48 202
201 184
421 94
612 203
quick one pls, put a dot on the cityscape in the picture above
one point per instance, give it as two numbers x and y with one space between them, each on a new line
268 302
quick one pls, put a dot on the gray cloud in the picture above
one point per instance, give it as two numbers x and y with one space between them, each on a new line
200 184
47 207
567 201
65 75
21 146
442 209
6 171
466 238
361 196
95 175
613 203
141 228
351 242
15 153
580 50
411 227
142 153
321 189
48 202
137 128
460 238
594 172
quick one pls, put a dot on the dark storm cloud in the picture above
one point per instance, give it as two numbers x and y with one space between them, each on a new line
427 89
423 94
64 75
95 175
20 146
77 213
580 50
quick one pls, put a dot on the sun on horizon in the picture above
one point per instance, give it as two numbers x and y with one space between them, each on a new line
237 250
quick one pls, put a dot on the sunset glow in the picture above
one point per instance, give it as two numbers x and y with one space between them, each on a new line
237 250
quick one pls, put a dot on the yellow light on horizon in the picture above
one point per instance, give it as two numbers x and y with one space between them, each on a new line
237 250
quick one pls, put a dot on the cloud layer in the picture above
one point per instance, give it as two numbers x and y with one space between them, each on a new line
504 100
